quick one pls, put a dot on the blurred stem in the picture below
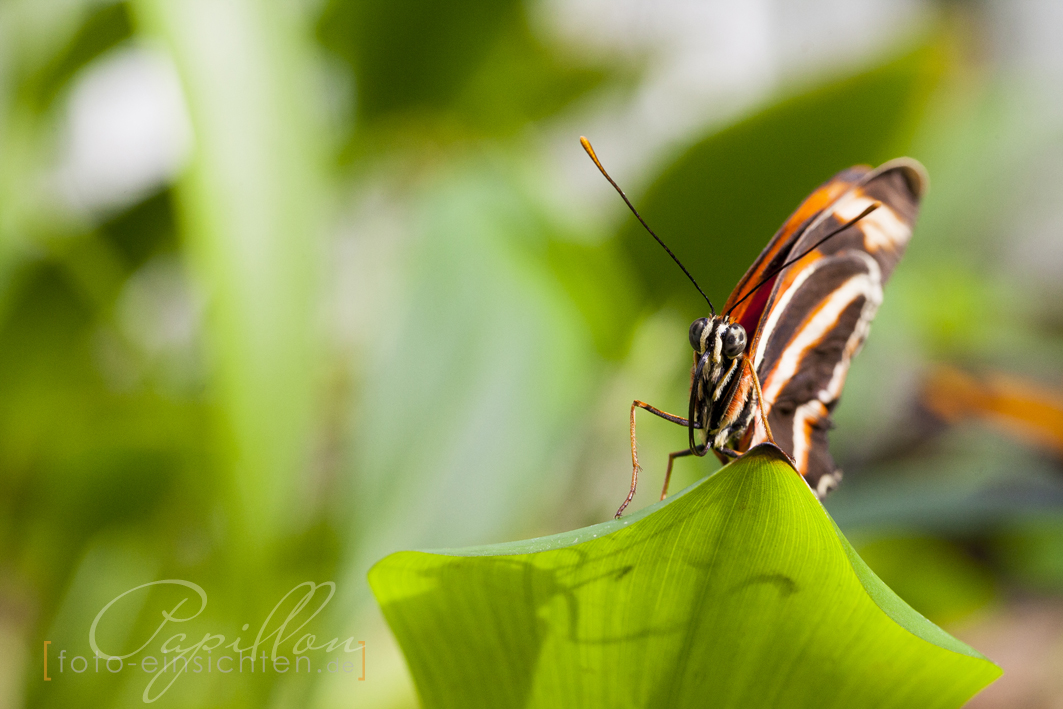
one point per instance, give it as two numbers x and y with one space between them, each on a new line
249 212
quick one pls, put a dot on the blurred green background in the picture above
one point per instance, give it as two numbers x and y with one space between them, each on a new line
285 287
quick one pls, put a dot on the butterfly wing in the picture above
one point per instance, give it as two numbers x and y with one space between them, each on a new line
749 311
819 310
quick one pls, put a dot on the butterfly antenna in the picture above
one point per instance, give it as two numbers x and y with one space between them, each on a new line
590 151
806 252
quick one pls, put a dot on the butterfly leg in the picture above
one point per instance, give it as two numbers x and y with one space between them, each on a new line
763 416
634 453
700 450
760 400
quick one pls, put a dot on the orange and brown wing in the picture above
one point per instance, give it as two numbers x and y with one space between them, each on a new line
780 248
819 310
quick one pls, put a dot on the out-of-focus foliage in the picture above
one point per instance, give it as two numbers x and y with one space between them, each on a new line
413 54
936 576
287 287
472 67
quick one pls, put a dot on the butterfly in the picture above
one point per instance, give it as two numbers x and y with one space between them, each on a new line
771 365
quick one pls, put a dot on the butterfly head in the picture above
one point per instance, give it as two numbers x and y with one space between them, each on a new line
719 336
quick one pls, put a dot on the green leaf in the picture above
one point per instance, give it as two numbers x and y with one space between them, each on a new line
738 592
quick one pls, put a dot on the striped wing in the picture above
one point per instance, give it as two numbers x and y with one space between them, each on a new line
819 310
780 248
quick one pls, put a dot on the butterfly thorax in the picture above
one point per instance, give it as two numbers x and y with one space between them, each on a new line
721 402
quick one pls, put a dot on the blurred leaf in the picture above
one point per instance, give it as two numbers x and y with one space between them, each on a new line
598 280
739 591
412 53
722 199
962 481
1031 550
950 308
45 44
111 564
105 25
79 455
143 230
473 65
522 80
58 415
487 366
932 575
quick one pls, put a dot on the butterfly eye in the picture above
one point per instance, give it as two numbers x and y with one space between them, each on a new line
734 341
696 328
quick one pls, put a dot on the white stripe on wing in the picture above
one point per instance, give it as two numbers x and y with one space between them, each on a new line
882 228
